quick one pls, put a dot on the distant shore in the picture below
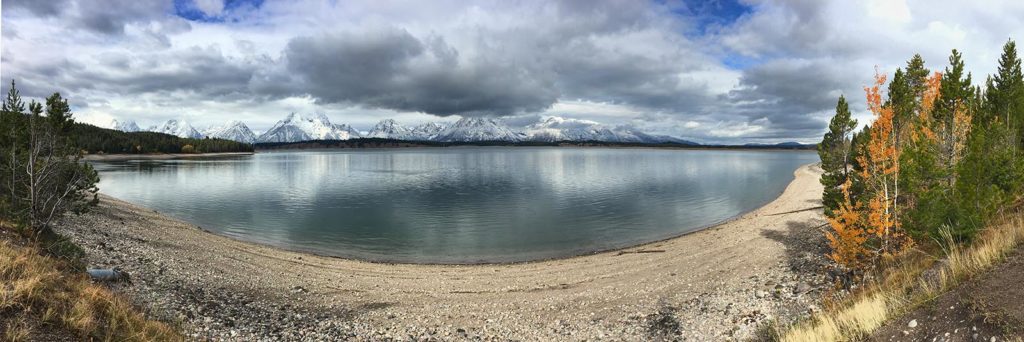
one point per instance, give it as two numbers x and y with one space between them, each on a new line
723 282
370 143
160 156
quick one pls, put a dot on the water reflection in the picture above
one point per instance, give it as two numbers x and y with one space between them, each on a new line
457 204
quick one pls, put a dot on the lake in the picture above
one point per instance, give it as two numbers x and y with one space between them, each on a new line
459 204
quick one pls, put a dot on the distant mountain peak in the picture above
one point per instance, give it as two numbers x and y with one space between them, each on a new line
179 128
389 129
124 126
296 127
232 130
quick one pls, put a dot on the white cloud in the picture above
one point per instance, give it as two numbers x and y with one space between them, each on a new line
210 7
773 75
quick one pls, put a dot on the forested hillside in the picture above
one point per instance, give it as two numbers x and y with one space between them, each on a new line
94 139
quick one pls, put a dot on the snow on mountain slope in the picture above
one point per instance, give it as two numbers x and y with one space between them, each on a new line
232 130
124 126
479 129
297 127
179 128
389 129
560 129
555 128
427 131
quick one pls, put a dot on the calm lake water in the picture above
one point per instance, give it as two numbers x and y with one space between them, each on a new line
457 205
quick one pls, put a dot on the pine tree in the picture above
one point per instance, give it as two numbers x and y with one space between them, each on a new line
42 176
13 101
58 113
835 154
903 103
951 111
1004 94
992 172
917 78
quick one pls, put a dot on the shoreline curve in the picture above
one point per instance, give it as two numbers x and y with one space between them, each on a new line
616 249
722 282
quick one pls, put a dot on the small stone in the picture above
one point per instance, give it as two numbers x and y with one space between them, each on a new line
905 333
801 288
912 324
760 293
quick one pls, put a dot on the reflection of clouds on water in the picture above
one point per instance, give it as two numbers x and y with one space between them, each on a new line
457 204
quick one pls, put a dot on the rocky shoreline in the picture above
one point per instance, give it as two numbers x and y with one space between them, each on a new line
722 283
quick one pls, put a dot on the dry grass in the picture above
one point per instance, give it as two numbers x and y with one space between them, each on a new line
906 286
41 290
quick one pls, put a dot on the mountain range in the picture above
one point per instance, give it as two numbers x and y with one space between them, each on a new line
298 127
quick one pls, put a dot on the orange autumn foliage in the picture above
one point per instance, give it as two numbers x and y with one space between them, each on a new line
881 167
960 131
931 93
847 237
864 231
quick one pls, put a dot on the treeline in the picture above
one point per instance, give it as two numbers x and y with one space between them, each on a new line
940 159
396 143
94 139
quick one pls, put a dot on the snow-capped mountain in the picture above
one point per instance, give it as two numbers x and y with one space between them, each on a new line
179 128
427 131
560 129
555 128
479 129
232 130
297 127
124 126
389 129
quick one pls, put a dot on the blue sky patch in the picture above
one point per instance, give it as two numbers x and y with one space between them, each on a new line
187 9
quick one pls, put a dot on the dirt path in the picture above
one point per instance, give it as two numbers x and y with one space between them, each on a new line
722 282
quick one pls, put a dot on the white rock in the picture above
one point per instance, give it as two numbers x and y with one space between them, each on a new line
913 323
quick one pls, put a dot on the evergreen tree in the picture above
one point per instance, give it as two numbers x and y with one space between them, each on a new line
903 101
41 176
58 112
835 154
1004 93
955 96
992 172
932 160
917 78
13 101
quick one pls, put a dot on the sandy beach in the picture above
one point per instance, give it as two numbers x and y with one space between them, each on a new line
719 283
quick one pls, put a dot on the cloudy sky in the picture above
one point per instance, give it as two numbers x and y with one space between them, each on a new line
715 71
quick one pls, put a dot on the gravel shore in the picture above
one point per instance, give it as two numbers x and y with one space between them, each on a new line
721 283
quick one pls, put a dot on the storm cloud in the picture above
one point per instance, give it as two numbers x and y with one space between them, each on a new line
391 69
747 71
